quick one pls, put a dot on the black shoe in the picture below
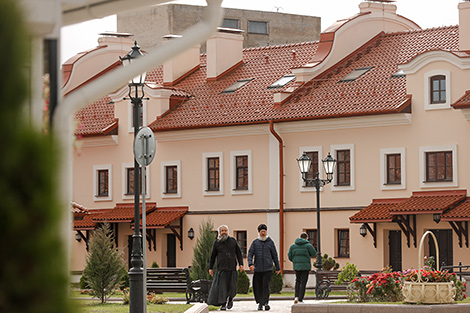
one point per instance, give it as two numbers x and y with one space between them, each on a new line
267 307
230 303
223 308
260 307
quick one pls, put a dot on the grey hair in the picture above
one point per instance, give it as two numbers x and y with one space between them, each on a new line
220 227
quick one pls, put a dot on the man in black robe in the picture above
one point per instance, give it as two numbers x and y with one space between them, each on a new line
224 286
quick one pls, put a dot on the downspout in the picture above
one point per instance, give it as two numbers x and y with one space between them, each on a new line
78 99
281 194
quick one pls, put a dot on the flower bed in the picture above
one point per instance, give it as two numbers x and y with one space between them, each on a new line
388 286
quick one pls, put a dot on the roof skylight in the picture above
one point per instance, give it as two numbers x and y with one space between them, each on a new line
400 73
358 72
281 82
237 85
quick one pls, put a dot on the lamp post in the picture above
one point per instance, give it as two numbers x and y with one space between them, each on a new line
136 273
329 165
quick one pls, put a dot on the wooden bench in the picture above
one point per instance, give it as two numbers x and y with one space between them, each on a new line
325 282
170 279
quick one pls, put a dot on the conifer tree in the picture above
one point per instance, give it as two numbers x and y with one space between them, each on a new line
202 251
33 266
103 270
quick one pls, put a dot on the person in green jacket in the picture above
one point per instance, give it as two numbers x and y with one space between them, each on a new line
300 253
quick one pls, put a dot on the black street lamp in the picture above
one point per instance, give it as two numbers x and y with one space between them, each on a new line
329 165
136 273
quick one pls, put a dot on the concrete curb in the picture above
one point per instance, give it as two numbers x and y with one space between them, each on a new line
379 308
198 308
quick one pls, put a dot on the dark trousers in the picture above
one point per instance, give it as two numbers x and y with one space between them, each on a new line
262 286
301 278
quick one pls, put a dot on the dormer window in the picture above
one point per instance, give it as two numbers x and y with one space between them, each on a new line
284 80
438 89
237 85
358 72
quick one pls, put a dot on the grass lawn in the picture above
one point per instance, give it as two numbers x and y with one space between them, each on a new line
96 307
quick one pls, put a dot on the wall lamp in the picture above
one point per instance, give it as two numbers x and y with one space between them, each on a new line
363 230
191 233
78 237
436 217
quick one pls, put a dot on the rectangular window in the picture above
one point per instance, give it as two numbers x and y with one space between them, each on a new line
231 23
281 82
439 166
343 168
103 183
257 27
213 174
343 243
241 239
130 181
312 237
313 170
355 74
438 89
171 174
241 172
394 168
237 85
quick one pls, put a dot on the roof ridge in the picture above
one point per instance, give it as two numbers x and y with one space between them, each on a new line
422 30
286 45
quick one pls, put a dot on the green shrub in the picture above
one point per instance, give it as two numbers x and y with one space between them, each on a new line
83 284
125 278
154 265
276 282
348 273
328 263
243 282
126 295
202 251
156 299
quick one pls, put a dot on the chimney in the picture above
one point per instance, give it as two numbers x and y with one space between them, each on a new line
224 52
365 7
181 65
464 25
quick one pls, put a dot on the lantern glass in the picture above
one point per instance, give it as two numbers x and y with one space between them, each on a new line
304 163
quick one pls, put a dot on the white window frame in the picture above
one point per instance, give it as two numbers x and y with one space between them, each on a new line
130 124
383 168
124 182
422 166
233 183
319 150
427 91
163 166
352 186
97 168
205 185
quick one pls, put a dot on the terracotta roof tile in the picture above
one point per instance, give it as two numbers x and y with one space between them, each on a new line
165 216
123 212
96 118
428 202
85 221
377 211
460 213
463 102
78 209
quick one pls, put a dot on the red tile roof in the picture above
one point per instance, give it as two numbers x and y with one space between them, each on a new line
78 209
429 202
376 92
460 213
452 204
377 211
463 102
85 221
123 212
165 216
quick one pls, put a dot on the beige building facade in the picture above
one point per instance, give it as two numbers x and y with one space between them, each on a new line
228 136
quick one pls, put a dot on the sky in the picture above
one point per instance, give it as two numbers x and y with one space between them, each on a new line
426 13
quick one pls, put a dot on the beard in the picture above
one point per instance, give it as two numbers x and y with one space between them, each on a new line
222 238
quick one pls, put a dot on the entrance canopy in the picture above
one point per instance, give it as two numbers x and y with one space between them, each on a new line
452 206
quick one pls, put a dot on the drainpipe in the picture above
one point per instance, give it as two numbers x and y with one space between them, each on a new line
281 194
79 98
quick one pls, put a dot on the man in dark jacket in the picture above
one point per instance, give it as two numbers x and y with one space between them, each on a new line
300 253
263 250
227 252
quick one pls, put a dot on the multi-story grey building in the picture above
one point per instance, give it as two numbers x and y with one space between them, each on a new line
260 28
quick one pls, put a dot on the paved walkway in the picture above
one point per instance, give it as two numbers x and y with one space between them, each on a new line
244 305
